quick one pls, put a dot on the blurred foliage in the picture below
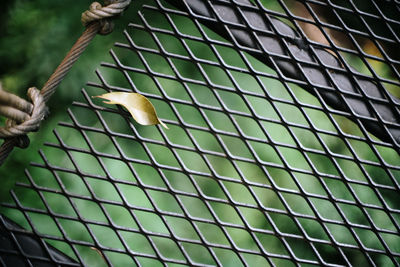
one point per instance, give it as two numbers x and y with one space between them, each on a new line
34 38
133 189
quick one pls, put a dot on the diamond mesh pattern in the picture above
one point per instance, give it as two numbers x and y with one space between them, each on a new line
254 170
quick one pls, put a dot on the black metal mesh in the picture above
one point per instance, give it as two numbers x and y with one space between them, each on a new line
268 159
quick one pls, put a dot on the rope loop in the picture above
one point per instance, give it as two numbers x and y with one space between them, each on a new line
24 117
39 112
100 13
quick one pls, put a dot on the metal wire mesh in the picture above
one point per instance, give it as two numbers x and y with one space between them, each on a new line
256 169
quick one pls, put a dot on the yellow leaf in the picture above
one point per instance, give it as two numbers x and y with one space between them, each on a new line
138 106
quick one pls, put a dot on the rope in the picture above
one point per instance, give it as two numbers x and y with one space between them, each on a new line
62 70
99 13
14 107
18 110
32 123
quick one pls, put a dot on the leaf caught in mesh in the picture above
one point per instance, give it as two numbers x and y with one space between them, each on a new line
138 106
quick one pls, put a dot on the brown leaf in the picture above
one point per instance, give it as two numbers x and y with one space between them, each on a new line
138 106
99 252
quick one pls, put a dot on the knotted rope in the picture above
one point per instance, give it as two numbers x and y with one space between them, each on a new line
32 123
24 117
99 13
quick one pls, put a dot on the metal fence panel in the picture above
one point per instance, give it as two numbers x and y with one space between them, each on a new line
268 159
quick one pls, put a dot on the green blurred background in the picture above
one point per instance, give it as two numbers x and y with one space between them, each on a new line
34 37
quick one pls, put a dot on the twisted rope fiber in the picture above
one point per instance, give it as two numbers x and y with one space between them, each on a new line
32 124
97 12
95 21
62 70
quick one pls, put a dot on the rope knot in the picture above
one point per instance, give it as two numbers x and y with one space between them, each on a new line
100 13
39 112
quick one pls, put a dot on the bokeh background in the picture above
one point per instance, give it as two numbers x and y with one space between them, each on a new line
34 37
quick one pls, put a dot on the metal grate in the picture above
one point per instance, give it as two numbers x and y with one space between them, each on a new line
268 160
